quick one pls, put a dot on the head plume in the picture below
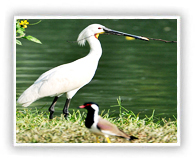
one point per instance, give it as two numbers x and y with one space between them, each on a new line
82 37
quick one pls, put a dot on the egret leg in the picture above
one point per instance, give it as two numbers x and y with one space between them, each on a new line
108 140
51 108
65 110
97 139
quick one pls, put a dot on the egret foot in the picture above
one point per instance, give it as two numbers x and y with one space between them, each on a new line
51 108
66 115
65 110
51 115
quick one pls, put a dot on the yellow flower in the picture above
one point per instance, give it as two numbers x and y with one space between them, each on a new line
24 23
25 26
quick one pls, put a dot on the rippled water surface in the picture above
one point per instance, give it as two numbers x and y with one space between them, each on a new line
143 74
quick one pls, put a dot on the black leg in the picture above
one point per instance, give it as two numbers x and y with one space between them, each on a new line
65 110
51 108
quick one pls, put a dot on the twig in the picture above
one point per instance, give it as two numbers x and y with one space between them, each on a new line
35 23
20 36
162 40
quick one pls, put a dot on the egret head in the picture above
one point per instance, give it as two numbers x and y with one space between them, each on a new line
91 30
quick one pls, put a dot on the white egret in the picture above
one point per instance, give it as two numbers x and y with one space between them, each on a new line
69 78
98 126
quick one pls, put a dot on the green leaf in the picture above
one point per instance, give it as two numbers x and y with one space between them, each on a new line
17 24
18 42
20 31
33 39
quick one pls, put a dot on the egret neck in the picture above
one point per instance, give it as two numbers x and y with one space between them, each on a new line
95 47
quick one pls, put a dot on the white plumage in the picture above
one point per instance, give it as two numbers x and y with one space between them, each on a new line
69 78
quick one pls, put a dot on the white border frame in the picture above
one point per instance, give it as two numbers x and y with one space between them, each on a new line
101 144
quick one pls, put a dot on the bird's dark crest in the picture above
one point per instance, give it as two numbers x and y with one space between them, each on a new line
90 103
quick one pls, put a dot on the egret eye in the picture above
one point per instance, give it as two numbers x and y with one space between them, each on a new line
99 28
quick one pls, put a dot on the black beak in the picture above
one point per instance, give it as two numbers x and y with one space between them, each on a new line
109 31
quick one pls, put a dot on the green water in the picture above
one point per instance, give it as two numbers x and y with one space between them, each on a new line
143 74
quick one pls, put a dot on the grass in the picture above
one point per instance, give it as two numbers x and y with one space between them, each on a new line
33 126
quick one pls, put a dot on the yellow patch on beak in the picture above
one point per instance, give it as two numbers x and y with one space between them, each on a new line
97 34
129 38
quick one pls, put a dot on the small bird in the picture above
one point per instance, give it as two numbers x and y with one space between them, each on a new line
69 78
97 125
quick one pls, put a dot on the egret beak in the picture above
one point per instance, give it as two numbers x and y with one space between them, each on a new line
124 34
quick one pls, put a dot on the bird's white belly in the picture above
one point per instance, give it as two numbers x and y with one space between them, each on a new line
95 130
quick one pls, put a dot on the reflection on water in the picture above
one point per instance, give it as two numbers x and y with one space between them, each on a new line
143 73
